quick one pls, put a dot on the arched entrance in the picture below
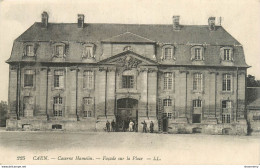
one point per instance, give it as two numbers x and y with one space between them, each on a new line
126 112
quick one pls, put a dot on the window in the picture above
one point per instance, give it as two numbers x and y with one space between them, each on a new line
59 50
88 80
167 53
226 104
87 101
225 118
87 113
168 78
88 51
167 102
59 78
197 103
29 50
197 81
127 81
227 56
226 84
198 54
28 78
168 115
58 108
87 109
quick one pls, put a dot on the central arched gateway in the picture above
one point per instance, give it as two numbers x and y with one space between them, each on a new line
126 111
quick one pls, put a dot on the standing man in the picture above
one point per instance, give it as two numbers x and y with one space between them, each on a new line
108 126
131 125
151 127
144 126
113 125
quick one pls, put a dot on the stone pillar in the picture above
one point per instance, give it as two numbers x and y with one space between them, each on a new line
41 87
71 89
100 84
152 92
181 92
50 98
12 92
143 103
110 95
241 94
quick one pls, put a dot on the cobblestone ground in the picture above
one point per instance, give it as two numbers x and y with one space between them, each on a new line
103 147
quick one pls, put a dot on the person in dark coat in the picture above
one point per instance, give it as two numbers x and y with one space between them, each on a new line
113 125
144 126
108 126
151 127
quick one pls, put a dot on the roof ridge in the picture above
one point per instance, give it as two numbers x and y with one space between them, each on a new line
134 24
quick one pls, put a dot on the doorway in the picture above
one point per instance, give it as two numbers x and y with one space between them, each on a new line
165 124
126 112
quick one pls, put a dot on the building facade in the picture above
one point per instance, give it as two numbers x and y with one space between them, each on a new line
78 76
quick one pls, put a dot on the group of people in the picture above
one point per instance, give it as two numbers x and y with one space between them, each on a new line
145 126
132 126
112 128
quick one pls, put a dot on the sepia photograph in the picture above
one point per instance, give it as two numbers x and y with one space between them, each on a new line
129 82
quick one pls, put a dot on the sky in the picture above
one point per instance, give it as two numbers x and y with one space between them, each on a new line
241 18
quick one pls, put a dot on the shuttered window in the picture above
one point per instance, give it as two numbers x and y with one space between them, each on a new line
28 78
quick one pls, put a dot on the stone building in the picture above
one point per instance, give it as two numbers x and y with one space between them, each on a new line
76 76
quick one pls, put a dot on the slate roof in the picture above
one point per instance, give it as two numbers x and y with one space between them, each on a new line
254 104
93 32
128 37
98 33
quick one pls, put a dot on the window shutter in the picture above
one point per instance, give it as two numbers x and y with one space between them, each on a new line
61 80
202 53
203 82
231 54
192 53
53 50
222 54
51 79
24 50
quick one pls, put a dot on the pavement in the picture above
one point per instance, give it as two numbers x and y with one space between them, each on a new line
169 148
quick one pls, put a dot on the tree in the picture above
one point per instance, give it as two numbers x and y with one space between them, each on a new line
3 113
251 82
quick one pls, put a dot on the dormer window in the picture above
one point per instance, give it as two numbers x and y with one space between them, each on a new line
226 54
197 53
88 51
29 50
59 50
167 53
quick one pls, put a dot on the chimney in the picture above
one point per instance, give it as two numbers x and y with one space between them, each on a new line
45 18
176 22
81 20
211 22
